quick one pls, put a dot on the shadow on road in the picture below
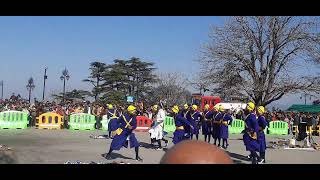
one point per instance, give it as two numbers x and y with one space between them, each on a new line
7 158
146 145
236 157
116 155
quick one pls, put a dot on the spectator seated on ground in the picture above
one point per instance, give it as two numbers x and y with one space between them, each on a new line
195 152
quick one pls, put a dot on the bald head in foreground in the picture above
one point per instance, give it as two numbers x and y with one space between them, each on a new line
195 152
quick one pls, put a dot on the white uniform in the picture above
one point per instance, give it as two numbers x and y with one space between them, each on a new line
157 130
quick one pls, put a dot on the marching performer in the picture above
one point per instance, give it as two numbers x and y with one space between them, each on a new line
127 123
113 116
185 113
194 118
261 136
181 122
207 123
250 136
224 131
217 125
157 130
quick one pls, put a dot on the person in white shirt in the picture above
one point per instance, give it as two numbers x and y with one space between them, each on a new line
156 132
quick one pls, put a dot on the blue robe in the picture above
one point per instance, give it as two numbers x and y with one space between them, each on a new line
261 136
224 131
119 140
113 123
178 134
194 119
216 125
207 123
187 129
251 128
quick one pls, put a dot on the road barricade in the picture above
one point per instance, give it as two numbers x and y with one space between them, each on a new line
49 121
13 120
82 121
143 124
236 127
278 128
169 125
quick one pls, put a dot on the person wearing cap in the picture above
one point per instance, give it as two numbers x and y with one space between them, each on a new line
127 123
250 136
113 116
194 117
261 136
181 122
216 134
207 123
156 132
224 130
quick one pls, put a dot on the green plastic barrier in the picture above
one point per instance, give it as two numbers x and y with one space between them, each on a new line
82 121
169 125
237 126
13 120
105 122
278 128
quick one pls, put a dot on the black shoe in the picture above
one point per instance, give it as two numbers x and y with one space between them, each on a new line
139 159
107 156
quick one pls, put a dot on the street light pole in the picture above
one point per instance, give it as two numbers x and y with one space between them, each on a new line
1 90
305 98
44 82
64 89
65 76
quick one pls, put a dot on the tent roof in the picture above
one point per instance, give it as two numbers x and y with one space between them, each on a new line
304 108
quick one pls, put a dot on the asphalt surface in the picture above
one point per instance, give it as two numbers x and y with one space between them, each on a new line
33 146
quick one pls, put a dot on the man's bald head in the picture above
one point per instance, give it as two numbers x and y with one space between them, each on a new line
195 152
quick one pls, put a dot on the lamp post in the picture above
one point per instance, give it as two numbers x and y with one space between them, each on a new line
1 84
30 86
65 76
305 97
45 77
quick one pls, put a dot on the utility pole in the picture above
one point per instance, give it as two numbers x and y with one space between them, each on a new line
1 84
44 82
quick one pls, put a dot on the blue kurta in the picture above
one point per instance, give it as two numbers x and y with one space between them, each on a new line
113 123
261 136
216 125
224 131
187 129
120 140
251 128
178 134
207 123
194 119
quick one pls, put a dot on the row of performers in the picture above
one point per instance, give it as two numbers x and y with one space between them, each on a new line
187 121
215 123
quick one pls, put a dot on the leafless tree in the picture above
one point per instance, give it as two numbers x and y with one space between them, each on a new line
171 88
259 56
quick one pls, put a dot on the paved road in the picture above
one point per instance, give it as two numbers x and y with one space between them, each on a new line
33 146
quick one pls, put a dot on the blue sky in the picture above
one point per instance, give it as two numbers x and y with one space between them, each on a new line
29 44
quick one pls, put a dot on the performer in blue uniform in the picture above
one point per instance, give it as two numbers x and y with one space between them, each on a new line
113 116
186 114
224 130
216 134
194 117
180 123
207 123
250 136
127 123
261 136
